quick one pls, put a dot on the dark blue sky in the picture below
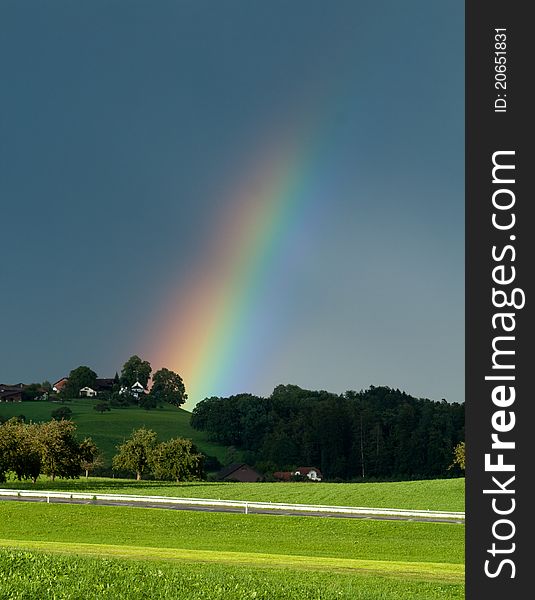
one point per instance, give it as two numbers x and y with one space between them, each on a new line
123 122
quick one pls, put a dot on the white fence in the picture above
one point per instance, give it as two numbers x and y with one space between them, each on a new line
245 506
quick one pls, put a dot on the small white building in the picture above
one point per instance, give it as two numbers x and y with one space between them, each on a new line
88 392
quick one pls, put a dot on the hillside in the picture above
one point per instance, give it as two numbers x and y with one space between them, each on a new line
110 428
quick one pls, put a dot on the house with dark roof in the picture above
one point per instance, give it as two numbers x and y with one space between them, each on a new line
104 384
10 393
101 385
313 473
239 472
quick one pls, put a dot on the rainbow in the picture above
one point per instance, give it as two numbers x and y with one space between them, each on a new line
206 332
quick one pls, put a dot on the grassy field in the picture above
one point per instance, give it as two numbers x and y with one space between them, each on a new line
220 532
235 555
31 575
110 428
438 494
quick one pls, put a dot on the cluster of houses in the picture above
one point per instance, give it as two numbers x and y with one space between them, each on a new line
245 474
103 385
312 473
14 393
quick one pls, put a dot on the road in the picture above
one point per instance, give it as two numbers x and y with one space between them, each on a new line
227 509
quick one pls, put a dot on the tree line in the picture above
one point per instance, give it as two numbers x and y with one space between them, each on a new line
51 448
378 433
174 460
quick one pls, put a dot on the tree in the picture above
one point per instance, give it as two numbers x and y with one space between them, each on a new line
8 447
118 400
135 369
459 457
33 391
116 384
102 407
90 456
147 401
18 451
168 386
79 378
59 450
63 412
178 460
135 454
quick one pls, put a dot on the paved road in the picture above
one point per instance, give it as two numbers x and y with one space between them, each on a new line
227 509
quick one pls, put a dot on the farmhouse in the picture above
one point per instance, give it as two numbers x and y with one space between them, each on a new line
10 393
239 472
60 384
101 385
87 392
313 473
136 390
104 384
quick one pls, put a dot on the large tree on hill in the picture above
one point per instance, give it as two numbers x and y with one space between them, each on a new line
136 453
135 369
79 378
168 386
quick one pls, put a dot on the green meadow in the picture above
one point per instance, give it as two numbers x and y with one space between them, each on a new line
110 428
438 494
69 552
218 532
276 557
32 575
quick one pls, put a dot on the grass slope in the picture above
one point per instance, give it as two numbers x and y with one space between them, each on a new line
111 428
97 552
438 494
35 575
386 568
217 532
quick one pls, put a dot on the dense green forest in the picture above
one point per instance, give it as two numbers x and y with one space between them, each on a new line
376 433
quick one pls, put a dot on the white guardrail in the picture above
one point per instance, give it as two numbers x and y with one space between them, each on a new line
242 504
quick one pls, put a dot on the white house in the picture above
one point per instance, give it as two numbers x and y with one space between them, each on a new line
88 392
136 390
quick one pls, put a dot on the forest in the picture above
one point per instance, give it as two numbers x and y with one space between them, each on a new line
377 433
